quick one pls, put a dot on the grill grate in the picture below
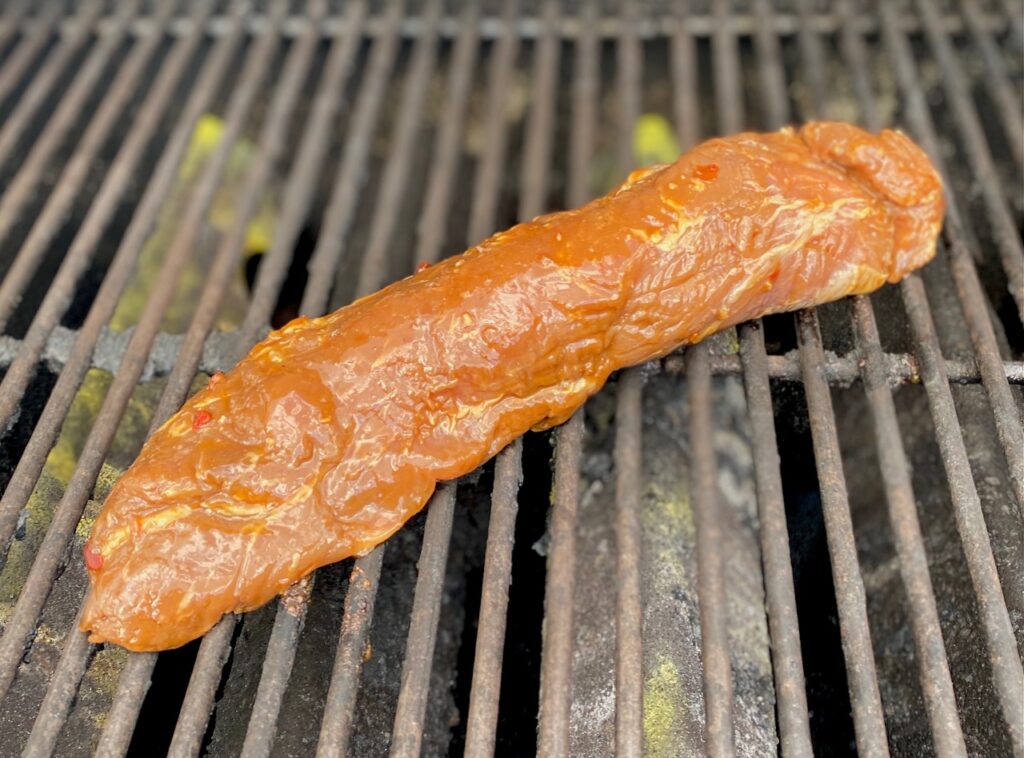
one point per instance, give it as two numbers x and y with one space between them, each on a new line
333 106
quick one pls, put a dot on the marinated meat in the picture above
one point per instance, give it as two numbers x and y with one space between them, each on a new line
333 431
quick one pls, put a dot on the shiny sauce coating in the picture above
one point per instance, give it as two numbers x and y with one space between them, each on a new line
334 431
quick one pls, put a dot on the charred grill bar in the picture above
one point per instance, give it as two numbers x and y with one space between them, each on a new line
315 90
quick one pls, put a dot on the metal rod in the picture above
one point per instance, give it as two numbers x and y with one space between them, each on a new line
628 587
714 640
489 170
28 49
270 148
131 692
60 292
363 584
780 594
490 639
936 682
298 197
628 450
1005 410
301 184
202 688
430 231
508 472
373 271
843 371
127 704
292 609
979 158
407 734
74 657
862 678
277 668
1007 673
557 637
30 173
60 693
345 193
1006 664
45 79
408 726
1004 94
540 129
39 582
1015 22
606 27
26 473
339 708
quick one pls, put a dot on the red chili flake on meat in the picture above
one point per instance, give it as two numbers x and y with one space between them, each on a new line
422 267
706 172
216 377
202 418
93 560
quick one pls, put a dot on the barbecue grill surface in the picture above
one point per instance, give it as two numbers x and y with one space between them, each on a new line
804 535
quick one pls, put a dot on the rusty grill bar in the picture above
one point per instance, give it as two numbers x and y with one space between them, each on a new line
377 72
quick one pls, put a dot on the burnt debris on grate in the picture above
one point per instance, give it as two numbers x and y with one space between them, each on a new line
804 534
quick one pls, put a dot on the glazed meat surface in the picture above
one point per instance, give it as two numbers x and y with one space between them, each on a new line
334 431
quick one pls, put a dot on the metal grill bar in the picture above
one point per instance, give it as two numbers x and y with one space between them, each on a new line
1006 98
412 697
86 238
407 734
21 188
126 706
787 663
487 660
935 678
628 450
718 689
46 79
865 699
297 201
373 271
430 230
529 27
557 637
291 610
508 470
9 23
134 680
73 660
117 729
284 638
351 175
1006 664
28 50
281 649
718 685
358 614
628 589
979 158
839 370
29 466
969 291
